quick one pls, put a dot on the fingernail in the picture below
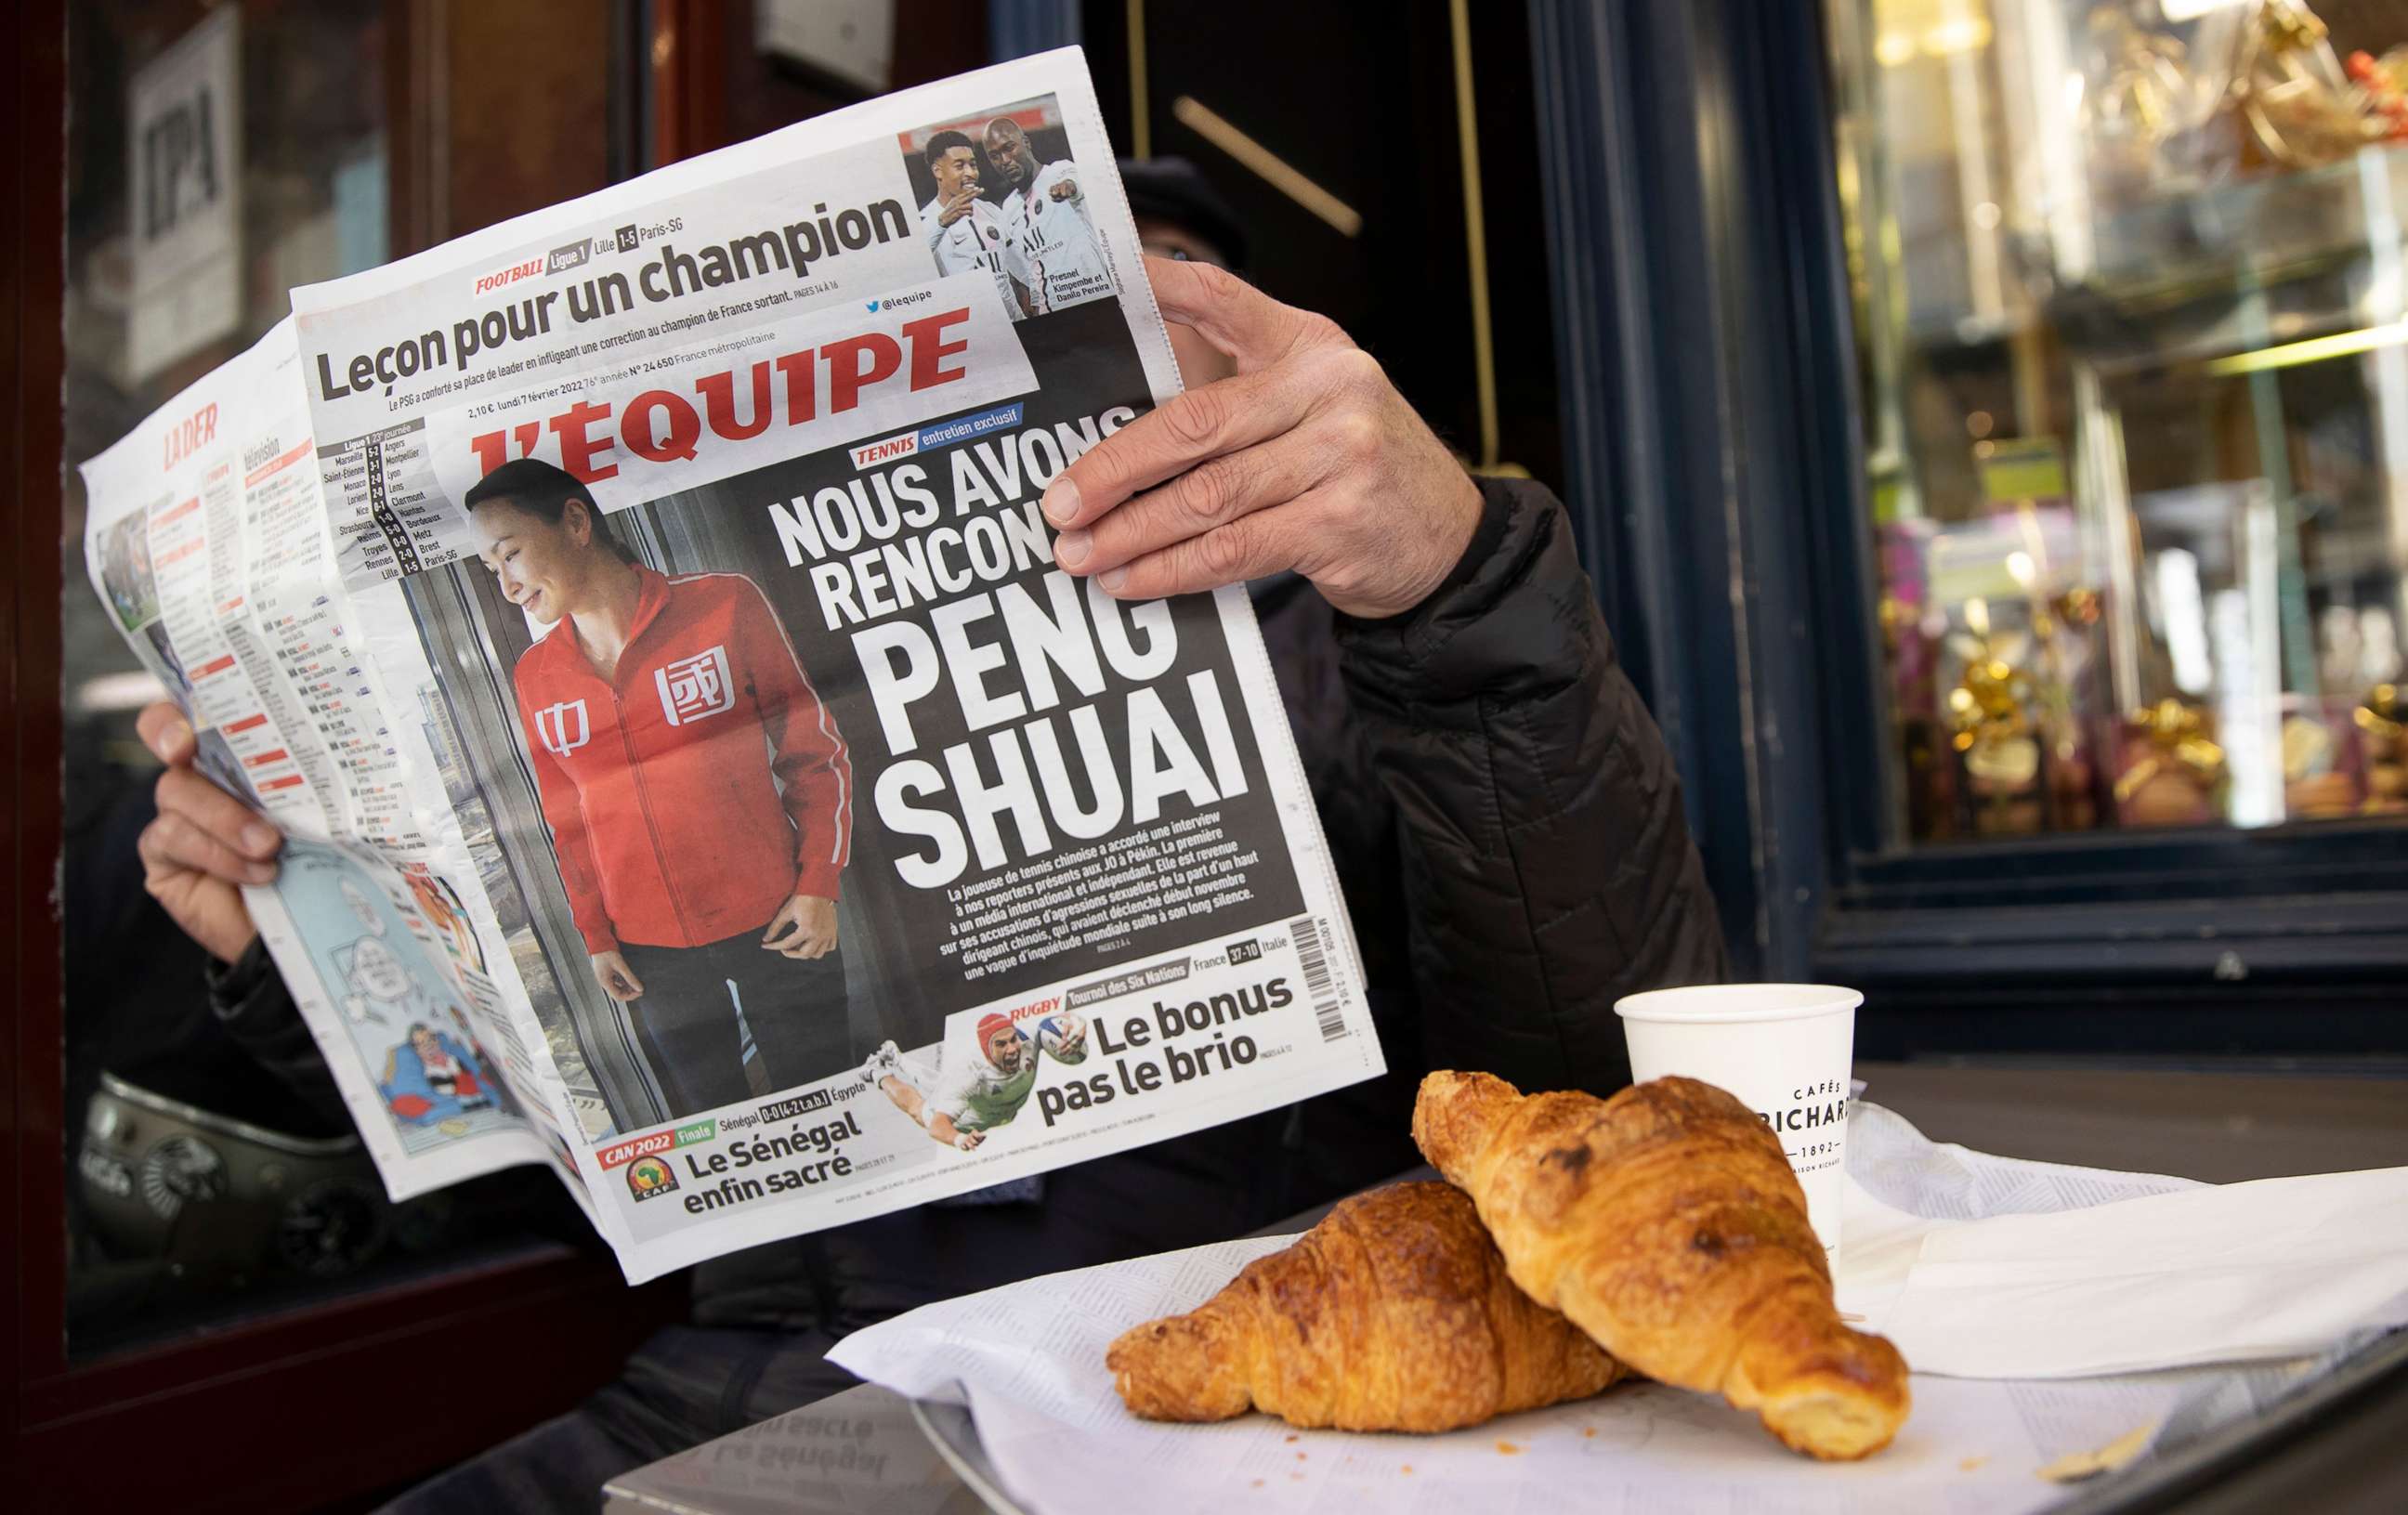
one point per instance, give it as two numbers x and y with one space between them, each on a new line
1112 580
1061 501
171 737
1071 548
260 839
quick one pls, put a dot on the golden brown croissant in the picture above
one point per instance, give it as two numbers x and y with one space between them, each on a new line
1666 1222
1393 1314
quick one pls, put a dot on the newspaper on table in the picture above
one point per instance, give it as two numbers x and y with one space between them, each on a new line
1027 1363
639 616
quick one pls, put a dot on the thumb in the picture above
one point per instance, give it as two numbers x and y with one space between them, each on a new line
1234 316
165 732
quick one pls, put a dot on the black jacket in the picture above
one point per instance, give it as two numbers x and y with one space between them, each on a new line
1508 829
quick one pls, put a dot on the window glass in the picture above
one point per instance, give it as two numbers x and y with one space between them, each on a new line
217 156
2129 287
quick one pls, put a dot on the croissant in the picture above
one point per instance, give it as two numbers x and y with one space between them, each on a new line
1666 1222
1393 1314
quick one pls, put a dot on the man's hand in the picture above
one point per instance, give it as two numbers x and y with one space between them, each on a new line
1308 459
957 205
617 980
803 928
204 845
1064 189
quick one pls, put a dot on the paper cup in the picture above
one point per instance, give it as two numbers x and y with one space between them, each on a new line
1784 1050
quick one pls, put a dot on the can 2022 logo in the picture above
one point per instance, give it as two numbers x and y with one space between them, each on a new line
649 1177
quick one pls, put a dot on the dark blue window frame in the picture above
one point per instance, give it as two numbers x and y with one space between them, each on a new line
1712 438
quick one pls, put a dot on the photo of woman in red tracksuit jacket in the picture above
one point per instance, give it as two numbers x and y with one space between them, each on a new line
699 794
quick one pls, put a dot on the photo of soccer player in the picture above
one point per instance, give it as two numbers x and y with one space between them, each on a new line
125 570
698 792
1001 191
966 230
959 1107
1046 214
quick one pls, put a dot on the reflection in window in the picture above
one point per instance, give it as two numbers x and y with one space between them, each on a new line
217 156
2134 331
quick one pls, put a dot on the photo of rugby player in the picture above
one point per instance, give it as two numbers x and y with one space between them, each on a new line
698 792
958 1107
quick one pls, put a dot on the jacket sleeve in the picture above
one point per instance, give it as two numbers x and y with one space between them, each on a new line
564 813
813 768
251 1002
1548 865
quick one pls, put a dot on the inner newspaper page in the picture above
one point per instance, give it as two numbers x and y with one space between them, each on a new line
206 537
840 853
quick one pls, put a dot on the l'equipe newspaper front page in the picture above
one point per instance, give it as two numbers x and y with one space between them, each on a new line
639 618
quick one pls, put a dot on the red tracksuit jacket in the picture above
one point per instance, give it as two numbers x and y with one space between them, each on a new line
659 785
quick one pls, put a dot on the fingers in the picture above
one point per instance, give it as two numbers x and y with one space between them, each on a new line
1247 547
1205 498
785 927
617 980
165 732
1234 316
816 945
223 817
1201 424
172 844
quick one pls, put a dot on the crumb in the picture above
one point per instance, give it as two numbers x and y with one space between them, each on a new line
1291 1435
1506 1449
1588 1430
1256 1484
1300 1456
1409 1470
2075 1466
1969 1464
1298 1477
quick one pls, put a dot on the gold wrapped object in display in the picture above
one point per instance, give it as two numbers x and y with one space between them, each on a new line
2383 727
2139 97
2299 106
2176 774
1992 734
1985 710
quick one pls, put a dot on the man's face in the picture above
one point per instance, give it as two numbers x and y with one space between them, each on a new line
538 562
1007 145
1003 1050
954 168
426 1046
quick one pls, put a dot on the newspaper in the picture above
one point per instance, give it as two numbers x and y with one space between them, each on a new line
641 618
1026 1361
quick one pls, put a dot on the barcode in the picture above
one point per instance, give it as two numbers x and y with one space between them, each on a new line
1320 984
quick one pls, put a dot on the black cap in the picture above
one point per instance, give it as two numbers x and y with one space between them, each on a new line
1175 189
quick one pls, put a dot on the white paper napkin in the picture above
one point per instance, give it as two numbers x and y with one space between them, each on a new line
1995 1270
2245 1272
